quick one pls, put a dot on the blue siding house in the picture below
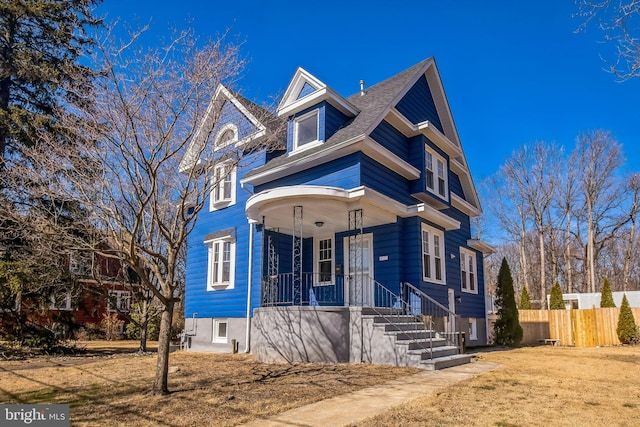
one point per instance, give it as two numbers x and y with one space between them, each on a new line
347 241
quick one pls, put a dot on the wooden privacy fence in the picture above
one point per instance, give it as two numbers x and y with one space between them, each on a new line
581 328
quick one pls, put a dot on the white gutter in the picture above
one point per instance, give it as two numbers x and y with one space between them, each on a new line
247 335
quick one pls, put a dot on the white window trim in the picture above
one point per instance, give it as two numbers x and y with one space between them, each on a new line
216 187
433 232
229 126
67 303
473 329
435 157
219 285
310 144
217 338
119 296
464 262
316 261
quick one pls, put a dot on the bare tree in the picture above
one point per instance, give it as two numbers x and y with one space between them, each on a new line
531 174
619 20
599 156
151 108
634 190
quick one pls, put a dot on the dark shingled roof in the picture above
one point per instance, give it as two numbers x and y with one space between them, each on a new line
372 105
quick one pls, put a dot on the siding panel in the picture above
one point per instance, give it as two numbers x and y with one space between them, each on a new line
418 105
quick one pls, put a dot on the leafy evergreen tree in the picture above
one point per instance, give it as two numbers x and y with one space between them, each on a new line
627 330
507 328
525 301
556 302
39 50
606 296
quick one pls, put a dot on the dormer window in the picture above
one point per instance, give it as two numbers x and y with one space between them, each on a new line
436 174
305 130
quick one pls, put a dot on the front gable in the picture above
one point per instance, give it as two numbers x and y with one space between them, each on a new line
418 105
226 122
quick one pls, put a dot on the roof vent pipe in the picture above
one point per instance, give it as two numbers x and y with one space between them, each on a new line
361 87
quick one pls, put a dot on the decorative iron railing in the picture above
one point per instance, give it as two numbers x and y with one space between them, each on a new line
438 320
305 289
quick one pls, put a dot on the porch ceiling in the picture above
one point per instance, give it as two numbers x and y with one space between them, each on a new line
329 206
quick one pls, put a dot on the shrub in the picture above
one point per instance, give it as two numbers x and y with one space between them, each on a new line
627 329
111 326
556 302
525 301
606 296
507 328
132 330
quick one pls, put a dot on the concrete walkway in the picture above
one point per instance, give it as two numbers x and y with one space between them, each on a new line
353 407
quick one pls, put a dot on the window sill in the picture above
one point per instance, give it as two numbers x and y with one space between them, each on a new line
221 205
434 282
219 287
305 147
438 195
466 291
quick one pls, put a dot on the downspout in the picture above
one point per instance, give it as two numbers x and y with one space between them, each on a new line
247 335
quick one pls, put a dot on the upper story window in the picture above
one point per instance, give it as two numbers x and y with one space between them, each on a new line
305 129
221 263
119 301
223 192
61 301
432 255
436 174
468 271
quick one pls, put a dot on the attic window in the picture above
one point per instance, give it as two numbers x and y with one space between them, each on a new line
227 135
305 129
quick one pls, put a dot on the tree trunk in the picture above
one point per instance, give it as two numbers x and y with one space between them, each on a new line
144 325
627 255
568 255
543 278
590 262
160 383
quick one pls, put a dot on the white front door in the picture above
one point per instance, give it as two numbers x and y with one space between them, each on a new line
359 289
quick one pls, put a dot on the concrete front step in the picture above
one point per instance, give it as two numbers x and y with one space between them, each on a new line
400 318
445 362
433 353
396 326
413 335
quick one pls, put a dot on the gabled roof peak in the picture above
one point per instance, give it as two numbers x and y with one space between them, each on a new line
306 90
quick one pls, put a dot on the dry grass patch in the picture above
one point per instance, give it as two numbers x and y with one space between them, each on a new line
535 386
208 389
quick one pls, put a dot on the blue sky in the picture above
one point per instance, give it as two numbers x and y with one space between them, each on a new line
514 71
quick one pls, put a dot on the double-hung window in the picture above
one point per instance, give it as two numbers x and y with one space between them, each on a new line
436 174
119 301
221 263
61 301
432 255
324 261
468 271
306 130
223 192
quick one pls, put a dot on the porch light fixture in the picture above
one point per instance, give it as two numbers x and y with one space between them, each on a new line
319 224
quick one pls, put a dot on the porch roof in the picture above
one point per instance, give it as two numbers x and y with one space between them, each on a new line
325 209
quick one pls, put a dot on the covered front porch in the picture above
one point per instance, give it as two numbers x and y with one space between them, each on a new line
318 245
